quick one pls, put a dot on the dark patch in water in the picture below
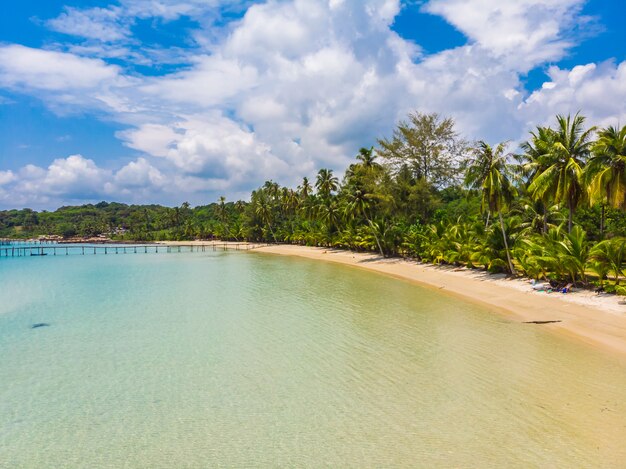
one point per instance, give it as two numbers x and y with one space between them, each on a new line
40 324
540 322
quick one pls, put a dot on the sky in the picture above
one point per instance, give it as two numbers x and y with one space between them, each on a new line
167 101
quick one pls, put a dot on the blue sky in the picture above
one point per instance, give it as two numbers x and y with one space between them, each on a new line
173 100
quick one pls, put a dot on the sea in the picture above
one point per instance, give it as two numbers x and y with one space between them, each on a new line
244 359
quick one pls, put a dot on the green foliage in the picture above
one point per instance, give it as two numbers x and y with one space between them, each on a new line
425 194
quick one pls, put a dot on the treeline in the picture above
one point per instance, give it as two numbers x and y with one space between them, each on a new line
554 209
113 220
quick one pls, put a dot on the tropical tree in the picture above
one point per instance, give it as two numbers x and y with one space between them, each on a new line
562 178
305 188
534 162
489 170
358 204
606 170
428 145
326 183
611 254
367 157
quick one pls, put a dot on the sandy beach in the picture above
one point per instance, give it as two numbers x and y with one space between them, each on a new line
599 320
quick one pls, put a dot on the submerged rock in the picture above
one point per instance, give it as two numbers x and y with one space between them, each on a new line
40 324
541 322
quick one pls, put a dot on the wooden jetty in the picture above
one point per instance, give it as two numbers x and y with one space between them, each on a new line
90 249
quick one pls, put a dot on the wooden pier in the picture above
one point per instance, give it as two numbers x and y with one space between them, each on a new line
91 249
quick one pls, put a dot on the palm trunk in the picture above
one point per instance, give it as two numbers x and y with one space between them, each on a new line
602 218
382 253
269 225
506 245
487 222
570 219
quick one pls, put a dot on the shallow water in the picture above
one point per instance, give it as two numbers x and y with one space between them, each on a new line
243 359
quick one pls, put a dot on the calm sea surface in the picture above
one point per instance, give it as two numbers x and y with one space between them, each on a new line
245 360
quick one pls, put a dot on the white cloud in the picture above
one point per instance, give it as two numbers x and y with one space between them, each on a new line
139 173
295 85
79 179
212 81
210 146
598 90
73 175
6 177
95 23
523 32
39 69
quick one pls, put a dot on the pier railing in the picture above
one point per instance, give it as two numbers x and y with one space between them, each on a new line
93 249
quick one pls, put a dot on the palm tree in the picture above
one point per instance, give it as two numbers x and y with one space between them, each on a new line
326 183
264 209
573 253
489 171
534 162
329 213
564 162
359 203
221 209
305 188
606 171
611 253
367 157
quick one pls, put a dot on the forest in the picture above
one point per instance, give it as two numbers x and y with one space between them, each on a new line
553 208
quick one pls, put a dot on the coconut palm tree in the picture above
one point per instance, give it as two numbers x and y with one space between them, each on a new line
305 188
489 170
326 183
606 170
367 157
264 209
612 254
562 178
534 162
358 204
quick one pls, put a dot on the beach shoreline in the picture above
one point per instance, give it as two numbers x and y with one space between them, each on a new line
598 320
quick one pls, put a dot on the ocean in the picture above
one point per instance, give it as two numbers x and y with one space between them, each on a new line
244 359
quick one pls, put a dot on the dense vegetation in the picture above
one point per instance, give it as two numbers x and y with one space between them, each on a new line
554 210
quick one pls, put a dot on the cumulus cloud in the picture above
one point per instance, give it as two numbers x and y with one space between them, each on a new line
77 178
294 85
211 146
39 69
523 32
6 177
599 90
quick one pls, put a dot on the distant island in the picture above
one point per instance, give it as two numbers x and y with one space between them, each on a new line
553 211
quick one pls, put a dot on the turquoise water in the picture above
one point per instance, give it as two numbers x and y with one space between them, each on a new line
248 360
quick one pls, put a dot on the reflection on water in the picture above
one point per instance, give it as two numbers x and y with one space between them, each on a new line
243 359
